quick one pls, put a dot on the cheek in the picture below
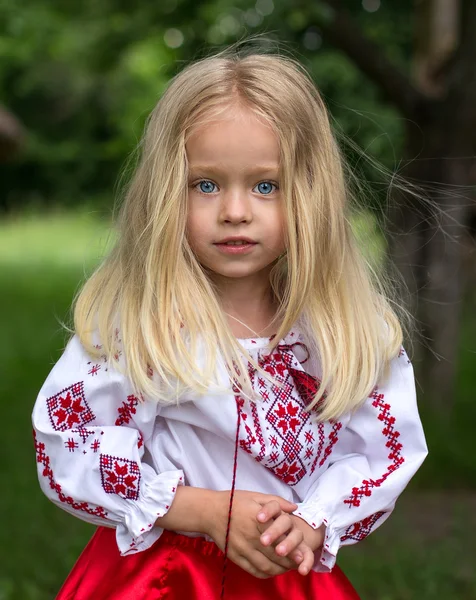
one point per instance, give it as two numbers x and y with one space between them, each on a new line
190 230
195 230
281 228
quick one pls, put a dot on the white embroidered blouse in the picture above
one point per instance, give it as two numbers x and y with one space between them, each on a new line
113 460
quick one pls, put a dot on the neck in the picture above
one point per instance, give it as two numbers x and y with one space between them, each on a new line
249 306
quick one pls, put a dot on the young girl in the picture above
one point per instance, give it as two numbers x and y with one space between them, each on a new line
235 404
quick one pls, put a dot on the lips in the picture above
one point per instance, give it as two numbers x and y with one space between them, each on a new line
235 245
235 241
240 243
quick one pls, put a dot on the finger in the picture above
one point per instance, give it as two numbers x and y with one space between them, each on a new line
279 527
290 543
283 561
297 555
267 566
307 562
269 511
285 505
245 564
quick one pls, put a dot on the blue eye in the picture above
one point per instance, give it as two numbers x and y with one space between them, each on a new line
266 187
205 186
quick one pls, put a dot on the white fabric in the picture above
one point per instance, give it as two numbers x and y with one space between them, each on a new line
115 461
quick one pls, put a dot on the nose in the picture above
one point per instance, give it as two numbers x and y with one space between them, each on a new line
236 207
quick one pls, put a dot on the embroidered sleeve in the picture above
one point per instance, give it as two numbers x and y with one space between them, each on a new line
89 431
377 454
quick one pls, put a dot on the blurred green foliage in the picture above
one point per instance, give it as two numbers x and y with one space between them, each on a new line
82 77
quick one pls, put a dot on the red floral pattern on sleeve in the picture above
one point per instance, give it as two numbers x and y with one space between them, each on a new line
395 457
69 408
43 459
120 476
127 409
360 530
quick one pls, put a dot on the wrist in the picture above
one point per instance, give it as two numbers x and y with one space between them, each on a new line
192 510
213 517
317 537
211 511
314 538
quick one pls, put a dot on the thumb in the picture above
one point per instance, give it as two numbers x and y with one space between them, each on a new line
286 505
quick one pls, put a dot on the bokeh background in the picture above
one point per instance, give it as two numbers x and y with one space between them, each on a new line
77 81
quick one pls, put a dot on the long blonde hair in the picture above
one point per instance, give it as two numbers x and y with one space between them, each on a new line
153 288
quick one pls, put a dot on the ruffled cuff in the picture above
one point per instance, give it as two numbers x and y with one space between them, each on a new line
137 532
324 557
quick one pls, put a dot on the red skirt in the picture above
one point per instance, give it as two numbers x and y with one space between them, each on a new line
178 567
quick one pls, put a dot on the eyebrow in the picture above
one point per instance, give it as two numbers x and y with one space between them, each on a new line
218 169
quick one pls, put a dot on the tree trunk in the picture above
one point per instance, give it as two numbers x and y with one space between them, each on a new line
427 248
427 238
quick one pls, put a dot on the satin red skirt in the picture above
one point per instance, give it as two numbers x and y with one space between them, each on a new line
179 567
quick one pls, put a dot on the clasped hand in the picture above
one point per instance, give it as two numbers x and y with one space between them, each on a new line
265 539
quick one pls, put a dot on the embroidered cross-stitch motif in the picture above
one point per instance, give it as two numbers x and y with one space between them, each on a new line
297 444
120 476
83 433
44 459
395 455
94 370
95 445
71 444
360 530
69 408
401 353
127 409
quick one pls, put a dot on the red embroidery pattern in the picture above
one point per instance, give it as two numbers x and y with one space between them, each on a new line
332 441
293 444
69 408
95 446
360 530
83 433
127 409
94 370
392 443
43 459
403 353
319 447
120 476
251 437
71 444
306 386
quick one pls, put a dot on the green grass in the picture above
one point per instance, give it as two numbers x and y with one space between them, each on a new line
42 261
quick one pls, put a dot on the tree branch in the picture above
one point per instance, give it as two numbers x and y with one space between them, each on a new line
343 31
12 134
463 76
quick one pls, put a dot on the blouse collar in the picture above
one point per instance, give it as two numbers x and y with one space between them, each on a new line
259 343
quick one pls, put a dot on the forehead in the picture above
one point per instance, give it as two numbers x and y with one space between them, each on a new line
236 136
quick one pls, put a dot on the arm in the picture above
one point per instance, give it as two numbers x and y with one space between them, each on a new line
192 510
90 430
374 459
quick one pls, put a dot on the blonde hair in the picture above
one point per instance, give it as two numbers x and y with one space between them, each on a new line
153 288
